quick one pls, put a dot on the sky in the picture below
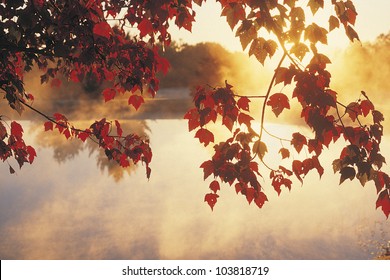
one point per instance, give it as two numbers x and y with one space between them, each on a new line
372 20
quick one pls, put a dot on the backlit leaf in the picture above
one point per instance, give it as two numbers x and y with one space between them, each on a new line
204 136
102 29
136 101
211 199
278 103
347 173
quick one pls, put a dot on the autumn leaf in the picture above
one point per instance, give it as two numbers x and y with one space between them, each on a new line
48 125
16 129
333 23
211 199
56 82
366 106
119 130
214 186
243 103
208 168
298 140
347 173
284 152
259 148
102 29
109 94
315 5
383 201
351 33
233 13
244 118
260 199
278 102
205 136
31 154
136 101
145 27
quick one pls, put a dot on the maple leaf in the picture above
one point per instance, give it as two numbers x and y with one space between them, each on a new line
351 33
84 135
333 23
109 93
315 5
193 119
366 106
259 148
16 129
278 102
31 154
211 199
347 173
119 130
145 27
136 101
244 118
208 168
48 125
233 12
284 152
298 140
260 199
102 29
383 201
214 186
205 136
123 161
243 103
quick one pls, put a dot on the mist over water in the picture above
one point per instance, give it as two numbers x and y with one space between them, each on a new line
71 204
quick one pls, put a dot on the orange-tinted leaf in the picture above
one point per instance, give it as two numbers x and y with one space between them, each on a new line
315 5
284 152
211 199
351 33
205 136
136 101
102 29
259 148
278 102
333 23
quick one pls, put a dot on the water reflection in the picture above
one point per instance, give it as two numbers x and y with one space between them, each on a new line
70 210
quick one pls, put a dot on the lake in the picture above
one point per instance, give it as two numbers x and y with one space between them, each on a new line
71 204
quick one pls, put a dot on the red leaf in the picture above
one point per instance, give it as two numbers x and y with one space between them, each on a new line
123 161
297 168
16 130
205 136
250 194
284 152
243 103
278 102
260 199
136 101
214 186
244 118
31 154
383 201
145 27
48 125
298 140
109 93
84 135
208 168
193 119
366 106
102 29
118 128
211 199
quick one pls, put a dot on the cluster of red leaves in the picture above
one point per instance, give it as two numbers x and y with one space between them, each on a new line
124 149
13 145
233 160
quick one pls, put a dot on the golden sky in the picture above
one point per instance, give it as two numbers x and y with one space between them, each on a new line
373 19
